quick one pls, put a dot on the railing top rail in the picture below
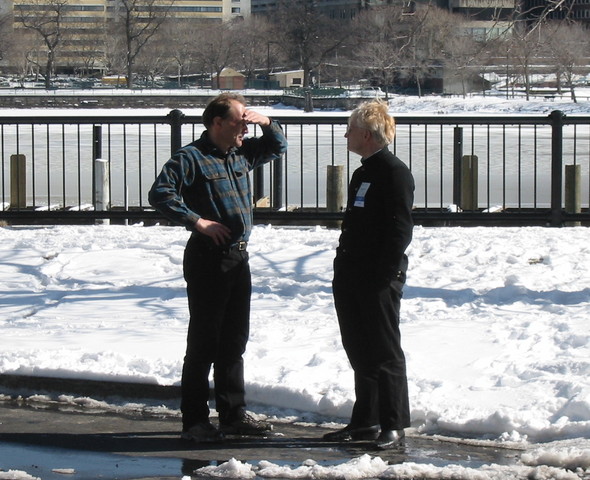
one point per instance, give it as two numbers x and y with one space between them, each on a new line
337 118
84 119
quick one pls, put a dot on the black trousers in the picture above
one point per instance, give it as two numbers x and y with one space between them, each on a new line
368 316
219 289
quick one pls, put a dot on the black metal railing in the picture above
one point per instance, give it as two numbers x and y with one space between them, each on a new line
488 169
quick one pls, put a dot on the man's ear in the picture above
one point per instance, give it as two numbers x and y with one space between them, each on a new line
217 121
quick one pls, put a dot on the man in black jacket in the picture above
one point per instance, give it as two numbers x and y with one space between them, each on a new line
369 274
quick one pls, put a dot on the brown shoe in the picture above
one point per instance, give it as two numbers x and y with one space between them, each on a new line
244 424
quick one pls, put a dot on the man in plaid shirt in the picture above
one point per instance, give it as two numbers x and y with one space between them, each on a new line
205 186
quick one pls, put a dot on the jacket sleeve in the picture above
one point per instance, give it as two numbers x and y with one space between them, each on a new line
398 203
266 148
166 192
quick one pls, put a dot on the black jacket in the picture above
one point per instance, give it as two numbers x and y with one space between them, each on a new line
377 225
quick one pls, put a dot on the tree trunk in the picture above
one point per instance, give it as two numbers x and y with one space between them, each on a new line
48 69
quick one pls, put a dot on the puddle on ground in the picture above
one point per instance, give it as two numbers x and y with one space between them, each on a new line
55 463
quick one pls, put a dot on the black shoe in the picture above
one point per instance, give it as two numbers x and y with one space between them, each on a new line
203 432
244 424
390 439
348 434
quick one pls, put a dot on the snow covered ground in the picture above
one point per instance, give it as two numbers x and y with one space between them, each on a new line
495 329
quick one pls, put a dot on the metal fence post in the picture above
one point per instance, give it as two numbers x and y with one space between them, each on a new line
258 184
277 184
457 156
557 120
176 117
96 153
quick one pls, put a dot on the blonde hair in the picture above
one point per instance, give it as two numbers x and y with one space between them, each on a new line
373 116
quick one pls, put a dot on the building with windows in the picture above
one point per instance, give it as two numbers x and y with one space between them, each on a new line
478 10
574 10
345 9
83 22
332 8
240 8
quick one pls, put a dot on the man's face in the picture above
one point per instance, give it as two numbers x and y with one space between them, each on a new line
354 137
234 127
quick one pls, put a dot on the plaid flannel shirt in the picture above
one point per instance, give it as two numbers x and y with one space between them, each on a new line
201 181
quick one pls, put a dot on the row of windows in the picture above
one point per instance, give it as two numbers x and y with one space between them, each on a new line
172 9
210 1
20 19
65 8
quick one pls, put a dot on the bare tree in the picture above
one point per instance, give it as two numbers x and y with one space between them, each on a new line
23 53
307 37
464 59
46 18
84 47
215 47
115 52
253 50
429 31
524 49
137 21
403 46
155 62
464 54
5 35
567 45
88 58
378 36
177 39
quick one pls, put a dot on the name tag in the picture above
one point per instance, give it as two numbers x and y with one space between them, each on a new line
359 200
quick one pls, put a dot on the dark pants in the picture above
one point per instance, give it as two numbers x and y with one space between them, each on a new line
368 315
219 289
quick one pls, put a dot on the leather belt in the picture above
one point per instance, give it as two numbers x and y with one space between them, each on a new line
239 246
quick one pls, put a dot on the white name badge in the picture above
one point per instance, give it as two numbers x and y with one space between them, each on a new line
359 200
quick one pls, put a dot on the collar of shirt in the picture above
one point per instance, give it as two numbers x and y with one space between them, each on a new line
365 159
209 148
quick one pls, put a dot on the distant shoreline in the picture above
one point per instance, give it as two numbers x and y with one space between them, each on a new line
115 98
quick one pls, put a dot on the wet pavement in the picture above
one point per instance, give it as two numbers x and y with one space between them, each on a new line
55 440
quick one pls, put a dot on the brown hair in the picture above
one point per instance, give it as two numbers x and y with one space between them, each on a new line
219 106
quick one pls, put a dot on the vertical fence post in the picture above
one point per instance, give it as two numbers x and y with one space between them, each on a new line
176 117
457 156
573 191
18 181
96 153
258 184
277 184
557 120
101 188
469 185
335 190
